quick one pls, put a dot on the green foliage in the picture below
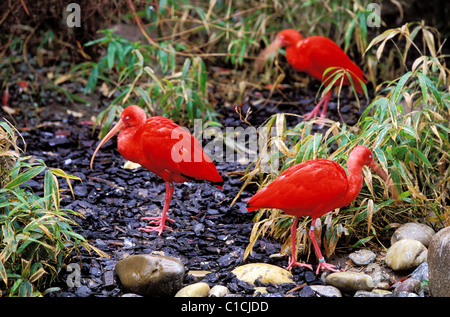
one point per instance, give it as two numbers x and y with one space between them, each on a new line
151 78
336 77
36 235
9 151
169 77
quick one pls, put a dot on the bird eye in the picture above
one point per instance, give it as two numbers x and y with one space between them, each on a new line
127 118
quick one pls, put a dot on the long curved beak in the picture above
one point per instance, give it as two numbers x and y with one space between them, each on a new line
273 47
387 179
117 128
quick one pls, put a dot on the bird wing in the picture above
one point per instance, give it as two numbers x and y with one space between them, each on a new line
323 53
175 154
309 188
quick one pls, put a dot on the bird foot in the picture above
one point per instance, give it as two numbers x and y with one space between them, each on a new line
312 114
155 221
326 266
315 113
295 263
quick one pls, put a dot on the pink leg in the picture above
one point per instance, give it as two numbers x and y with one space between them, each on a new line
315 112
292 259
160 221
322 264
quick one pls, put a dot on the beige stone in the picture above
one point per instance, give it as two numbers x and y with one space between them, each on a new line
413 230
350 281
151 275
326 290
219 291
266 273
406 254
200 289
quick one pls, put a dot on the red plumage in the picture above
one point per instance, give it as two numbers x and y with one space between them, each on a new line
292 191
164 148
313 55
314 188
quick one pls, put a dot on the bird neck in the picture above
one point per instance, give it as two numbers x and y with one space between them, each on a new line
355 180
128 143
298 61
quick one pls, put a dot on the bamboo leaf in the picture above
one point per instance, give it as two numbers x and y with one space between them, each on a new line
362 242
51 190
429 39
92 80
425 84
399 86
25 176
422 157
3 273
111 54
37 275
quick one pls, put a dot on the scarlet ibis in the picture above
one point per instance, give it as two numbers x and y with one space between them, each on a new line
315 187
164 148
313 55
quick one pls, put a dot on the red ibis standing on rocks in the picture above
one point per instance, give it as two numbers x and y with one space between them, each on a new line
164 148
315 187
313 55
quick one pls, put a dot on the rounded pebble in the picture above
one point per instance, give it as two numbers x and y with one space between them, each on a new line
413 230
410 285
401 294
350 281
265 273
406 254
200 289
151 275
219 291
362 257
366 294
326 290
382 292
380 279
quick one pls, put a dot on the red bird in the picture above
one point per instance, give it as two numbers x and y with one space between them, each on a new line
315 187
164 148
313 55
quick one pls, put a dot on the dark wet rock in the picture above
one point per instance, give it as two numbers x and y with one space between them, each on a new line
96 271
65 294
421 272
109 278
80 191
309 277
83 291
307 291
